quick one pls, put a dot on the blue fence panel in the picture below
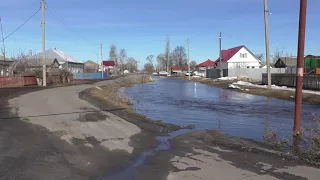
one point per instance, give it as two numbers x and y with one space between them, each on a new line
89 75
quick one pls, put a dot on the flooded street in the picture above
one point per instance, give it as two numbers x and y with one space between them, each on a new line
238 114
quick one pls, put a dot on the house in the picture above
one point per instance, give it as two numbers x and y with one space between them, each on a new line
34 64
5 64
208 64
284 62
109 64
65 61
91 67
238 57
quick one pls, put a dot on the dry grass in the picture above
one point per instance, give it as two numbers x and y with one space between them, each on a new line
113 92
311 136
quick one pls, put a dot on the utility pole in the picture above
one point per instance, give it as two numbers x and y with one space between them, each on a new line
4 47
167 54
220 54
300 65
266 26
101 49
188 44
44 73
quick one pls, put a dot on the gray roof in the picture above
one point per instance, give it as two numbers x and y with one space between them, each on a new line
61 56
288 61
91 62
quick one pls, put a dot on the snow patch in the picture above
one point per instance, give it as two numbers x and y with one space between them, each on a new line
275 87
227 78
65 56
234 87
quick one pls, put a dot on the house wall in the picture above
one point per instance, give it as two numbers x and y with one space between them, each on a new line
74 68
253 73
238 62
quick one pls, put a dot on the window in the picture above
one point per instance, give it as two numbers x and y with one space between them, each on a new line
243 55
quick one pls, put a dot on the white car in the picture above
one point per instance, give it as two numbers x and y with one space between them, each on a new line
163 73
198 73
188 73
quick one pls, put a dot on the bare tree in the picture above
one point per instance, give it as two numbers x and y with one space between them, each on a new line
161 60
260 56
20 64
132 65
277 54
193 65
167 55
148 67
113 56
122 59
150 59
179 56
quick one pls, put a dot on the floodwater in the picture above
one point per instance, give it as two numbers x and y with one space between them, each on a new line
207 107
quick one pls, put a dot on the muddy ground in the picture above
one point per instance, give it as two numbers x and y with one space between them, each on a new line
279 94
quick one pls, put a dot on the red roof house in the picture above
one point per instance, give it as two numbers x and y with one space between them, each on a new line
240 57
109 63
207 63
228 54
178 69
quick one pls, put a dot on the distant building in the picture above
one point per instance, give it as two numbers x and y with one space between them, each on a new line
5 64
109 67
91 67
64 60
34 64
178 69
238 57
284 62
109 64
208 64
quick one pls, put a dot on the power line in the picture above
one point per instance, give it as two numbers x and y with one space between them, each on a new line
68 27
21 25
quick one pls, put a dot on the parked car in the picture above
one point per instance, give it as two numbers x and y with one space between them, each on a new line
188 73
199 73
163 73
155 73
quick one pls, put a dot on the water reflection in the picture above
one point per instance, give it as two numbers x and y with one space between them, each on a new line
207 107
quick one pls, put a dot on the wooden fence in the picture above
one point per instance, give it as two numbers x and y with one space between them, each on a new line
17 81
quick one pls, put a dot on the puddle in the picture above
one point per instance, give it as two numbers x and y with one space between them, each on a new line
163 145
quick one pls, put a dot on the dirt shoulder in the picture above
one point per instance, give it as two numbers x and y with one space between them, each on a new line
273 93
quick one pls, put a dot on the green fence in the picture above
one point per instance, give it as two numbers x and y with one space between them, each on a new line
312 63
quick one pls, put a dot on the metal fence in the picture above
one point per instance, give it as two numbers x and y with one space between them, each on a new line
309 81
89 75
